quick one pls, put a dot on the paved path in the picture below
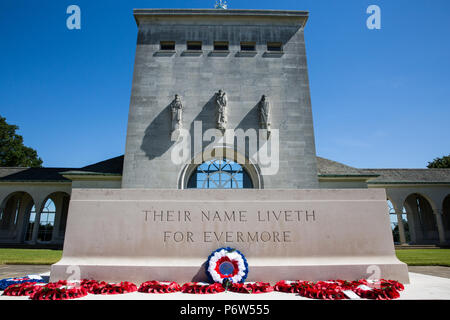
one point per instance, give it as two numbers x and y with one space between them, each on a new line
9 271
437 271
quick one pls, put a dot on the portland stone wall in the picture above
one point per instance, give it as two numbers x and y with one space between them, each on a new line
197 76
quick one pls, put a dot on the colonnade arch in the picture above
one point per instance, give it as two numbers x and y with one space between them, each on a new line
423 228
12 210
27 218
420 214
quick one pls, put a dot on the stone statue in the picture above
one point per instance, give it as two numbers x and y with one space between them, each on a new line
177 113
222 117
264 114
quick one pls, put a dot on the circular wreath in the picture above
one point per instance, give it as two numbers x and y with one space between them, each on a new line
159 287
253 287
227 264
379 290
326 290
61 290
202 288
112 288
336 290
90 284
287 286
22 289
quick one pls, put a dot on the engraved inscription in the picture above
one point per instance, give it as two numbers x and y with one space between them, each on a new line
276 226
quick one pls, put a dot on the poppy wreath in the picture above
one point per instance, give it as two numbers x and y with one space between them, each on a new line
112 288
379 290
5 283
59 284
382 283
255 287
202 288
22 289
286 286
58 291
334 290
324 290
227 263
159 287
89 285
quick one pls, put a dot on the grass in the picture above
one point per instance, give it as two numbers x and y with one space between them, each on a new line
29 256
424 257
412 257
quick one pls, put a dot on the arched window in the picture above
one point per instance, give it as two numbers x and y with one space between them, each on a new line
46 222
220 174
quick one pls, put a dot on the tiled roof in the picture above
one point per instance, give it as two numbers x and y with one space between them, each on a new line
113 166
110 166
409 176
326 168
6 171
36 174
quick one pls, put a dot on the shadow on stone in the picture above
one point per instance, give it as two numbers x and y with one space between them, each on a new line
157 138
250 121
207 117
201 275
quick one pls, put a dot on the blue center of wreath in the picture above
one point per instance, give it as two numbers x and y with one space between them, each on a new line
226 268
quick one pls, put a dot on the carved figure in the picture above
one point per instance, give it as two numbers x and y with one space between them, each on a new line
177 113
264 114
222 116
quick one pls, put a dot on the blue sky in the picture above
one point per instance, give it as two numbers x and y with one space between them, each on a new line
380 98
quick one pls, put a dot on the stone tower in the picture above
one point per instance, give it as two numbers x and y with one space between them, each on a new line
195 53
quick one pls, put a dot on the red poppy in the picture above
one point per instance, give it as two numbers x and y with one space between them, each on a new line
158 287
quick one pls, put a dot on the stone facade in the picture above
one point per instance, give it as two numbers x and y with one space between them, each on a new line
420 196
34 186
197 75
141 234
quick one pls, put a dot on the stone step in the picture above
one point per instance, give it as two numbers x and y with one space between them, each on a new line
419 246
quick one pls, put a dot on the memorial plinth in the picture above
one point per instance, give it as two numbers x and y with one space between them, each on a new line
140 235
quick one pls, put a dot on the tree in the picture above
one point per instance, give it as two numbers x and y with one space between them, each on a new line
12 151
443 162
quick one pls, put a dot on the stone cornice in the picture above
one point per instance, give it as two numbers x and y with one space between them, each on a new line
281 15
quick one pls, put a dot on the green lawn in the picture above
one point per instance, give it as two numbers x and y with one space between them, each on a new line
29 256
425 257
412 257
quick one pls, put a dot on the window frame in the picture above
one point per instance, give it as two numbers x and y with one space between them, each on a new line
221 44
274 47
194 43
248 44
167 43
235 182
